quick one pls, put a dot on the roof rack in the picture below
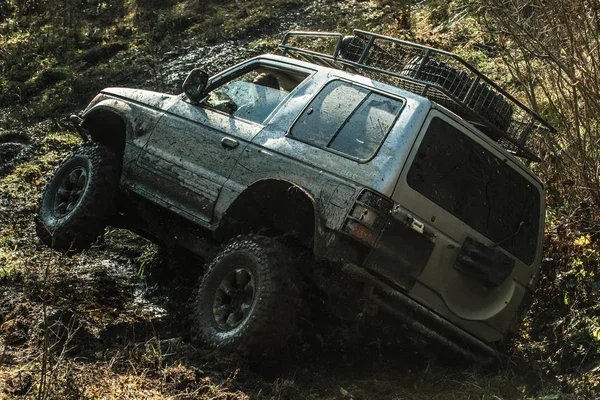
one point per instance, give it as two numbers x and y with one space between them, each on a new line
438 75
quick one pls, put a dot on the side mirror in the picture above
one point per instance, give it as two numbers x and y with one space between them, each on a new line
194 85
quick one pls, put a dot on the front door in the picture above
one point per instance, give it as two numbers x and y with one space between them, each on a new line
194 147
190 155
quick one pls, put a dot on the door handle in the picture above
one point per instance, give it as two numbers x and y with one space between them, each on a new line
229 143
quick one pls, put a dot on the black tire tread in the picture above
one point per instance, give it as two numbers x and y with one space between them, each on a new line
493 107
273 318
88 220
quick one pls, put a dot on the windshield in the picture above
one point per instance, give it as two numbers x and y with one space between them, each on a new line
480 189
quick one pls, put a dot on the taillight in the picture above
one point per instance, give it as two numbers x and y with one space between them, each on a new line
368 217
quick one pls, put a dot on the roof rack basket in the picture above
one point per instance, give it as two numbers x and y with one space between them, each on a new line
438 75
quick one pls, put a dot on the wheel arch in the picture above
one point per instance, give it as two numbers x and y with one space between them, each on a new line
109 126
271 205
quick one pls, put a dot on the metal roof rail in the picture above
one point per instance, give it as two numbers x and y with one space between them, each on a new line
441 76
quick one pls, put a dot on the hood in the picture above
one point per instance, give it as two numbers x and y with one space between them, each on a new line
153 99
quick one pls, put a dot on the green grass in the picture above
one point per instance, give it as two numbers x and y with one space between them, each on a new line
54 60
25 182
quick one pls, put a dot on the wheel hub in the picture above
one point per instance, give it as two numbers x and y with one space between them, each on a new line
233 298
70 191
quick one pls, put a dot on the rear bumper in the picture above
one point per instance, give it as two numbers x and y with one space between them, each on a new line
421 319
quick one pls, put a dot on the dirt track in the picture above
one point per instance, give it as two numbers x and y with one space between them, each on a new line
116 322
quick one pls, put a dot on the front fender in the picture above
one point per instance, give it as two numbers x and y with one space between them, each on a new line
139 120
102 106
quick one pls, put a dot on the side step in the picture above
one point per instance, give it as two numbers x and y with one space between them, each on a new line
414 315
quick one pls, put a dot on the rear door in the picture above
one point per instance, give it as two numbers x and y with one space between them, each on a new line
465 232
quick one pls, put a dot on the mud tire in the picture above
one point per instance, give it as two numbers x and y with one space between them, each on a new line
76 229
271 318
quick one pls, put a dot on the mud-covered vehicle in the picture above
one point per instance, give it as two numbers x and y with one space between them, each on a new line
390 176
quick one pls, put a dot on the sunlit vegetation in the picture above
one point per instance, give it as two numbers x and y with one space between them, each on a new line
56 55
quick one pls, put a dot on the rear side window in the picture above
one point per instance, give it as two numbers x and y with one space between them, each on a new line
480 189
348 119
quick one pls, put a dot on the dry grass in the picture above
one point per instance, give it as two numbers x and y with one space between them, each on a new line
116 335
108 380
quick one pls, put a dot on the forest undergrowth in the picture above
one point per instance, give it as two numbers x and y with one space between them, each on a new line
108 323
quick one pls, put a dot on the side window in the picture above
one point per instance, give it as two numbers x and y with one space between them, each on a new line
362 134
327 112
348 119
254 94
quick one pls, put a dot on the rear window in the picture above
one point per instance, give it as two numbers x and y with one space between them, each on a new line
480 189
348 119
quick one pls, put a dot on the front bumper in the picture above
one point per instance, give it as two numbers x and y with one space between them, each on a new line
77 122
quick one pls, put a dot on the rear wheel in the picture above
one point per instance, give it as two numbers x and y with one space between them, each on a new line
78 200
248 299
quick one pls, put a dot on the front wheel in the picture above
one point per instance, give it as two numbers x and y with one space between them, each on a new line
248 299
78 200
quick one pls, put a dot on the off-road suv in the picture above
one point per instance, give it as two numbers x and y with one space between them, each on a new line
399 168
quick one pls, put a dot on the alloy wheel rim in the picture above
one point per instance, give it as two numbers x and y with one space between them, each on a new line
70 192
233 298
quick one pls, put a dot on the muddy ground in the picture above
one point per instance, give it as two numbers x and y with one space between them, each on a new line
112 322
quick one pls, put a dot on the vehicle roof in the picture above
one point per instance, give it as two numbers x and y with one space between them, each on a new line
333 72
422 101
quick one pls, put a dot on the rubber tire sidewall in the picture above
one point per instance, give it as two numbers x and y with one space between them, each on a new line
79 228
48 201
210 283
277 298
494 108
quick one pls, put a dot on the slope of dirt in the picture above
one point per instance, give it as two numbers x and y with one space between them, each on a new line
112 322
